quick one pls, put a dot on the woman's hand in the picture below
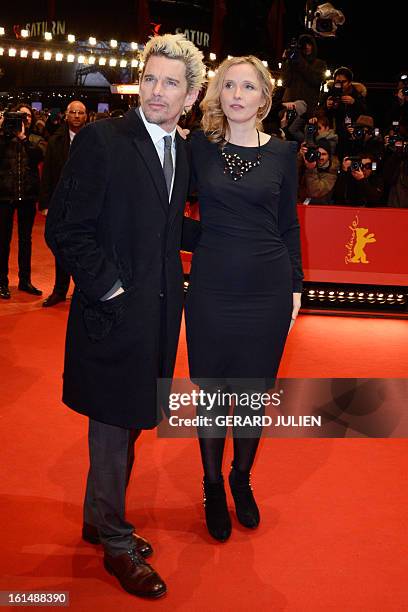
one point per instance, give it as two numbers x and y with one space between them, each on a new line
296 306
182 132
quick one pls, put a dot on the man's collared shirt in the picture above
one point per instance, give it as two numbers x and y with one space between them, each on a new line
157 134
71 136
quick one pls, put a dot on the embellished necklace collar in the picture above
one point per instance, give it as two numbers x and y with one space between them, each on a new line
235 166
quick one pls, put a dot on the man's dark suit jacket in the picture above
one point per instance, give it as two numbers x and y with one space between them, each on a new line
110 219
55 157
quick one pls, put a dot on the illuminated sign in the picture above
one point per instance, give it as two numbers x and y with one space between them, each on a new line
129 88
38 28
201 39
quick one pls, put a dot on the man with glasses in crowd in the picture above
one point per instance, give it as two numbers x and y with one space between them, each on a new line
55 158
359 183
343 104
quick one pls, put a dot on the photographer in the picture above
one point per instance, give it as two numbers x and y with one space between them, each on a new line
292 120
20 154
302 72
325 131
343 104
285 120
399 108
318 177
396 167
359 183
363 139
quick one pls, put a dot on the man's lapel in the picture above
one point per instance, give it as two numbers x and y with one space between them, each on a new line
178 196
148 153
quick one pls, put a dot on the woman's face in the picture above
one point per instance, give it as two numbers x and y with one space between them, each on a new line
241 94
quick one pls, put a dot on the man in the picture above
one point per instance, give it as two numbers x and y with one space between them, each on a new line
55 158
317 178
115 225
343 104
398 111
396 166
362 139
344 97
303 73
20 153
359 183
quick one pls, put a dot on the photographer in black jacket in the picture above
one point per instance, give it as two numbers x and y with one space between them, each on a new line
20 154
364 139
396 166
359 183
303 73
343 103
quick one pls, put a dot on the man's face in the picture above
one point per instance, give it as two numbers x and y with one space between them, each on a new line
321 127
76 116
163 91
345 83
366 162
307 49
324 157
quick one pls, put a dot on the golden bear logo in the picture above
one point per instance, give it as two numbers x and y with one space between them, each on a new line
356 244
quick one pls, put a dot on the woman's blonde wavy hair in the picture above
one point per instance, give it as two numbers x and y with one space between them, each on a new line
214 121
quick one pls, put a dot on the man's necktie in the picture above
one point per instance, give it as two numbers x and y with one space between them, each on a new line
168 163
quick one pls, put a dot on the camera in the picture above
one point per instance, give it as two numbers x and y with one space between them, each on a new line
355 164
292 52
312 153
395 137
358 132
13 123
291 115
336 92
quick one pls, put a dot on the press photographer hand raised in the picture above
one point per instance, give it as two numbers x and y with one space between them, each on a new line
358 174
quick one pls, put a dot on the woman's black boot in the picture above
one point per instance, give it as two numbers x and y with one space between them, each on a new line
216 511
245 504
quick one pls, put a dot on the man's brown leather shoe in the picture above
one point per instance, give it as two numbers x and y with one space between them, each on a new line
134 574
90 535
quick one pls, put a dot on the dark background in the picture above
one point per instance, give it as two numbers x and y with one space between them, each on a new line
370 41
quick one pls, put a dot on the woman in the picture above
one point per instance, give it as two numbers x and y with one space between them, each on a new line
246 275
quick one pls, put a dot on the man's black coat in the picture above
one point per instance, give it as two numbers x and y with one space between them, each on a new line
55 158
110 219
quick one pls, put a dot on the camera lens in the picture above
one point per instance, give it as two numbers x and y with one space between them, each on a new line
312 154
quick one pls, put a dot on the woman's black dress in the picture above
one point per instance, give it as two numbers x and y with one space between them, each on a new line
247 262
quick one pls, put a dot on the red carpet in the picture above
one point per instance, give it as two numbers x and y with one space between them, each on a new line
334 530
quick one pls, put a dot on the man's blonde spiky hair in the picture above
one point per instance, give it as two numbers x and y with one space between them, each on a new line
176 46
